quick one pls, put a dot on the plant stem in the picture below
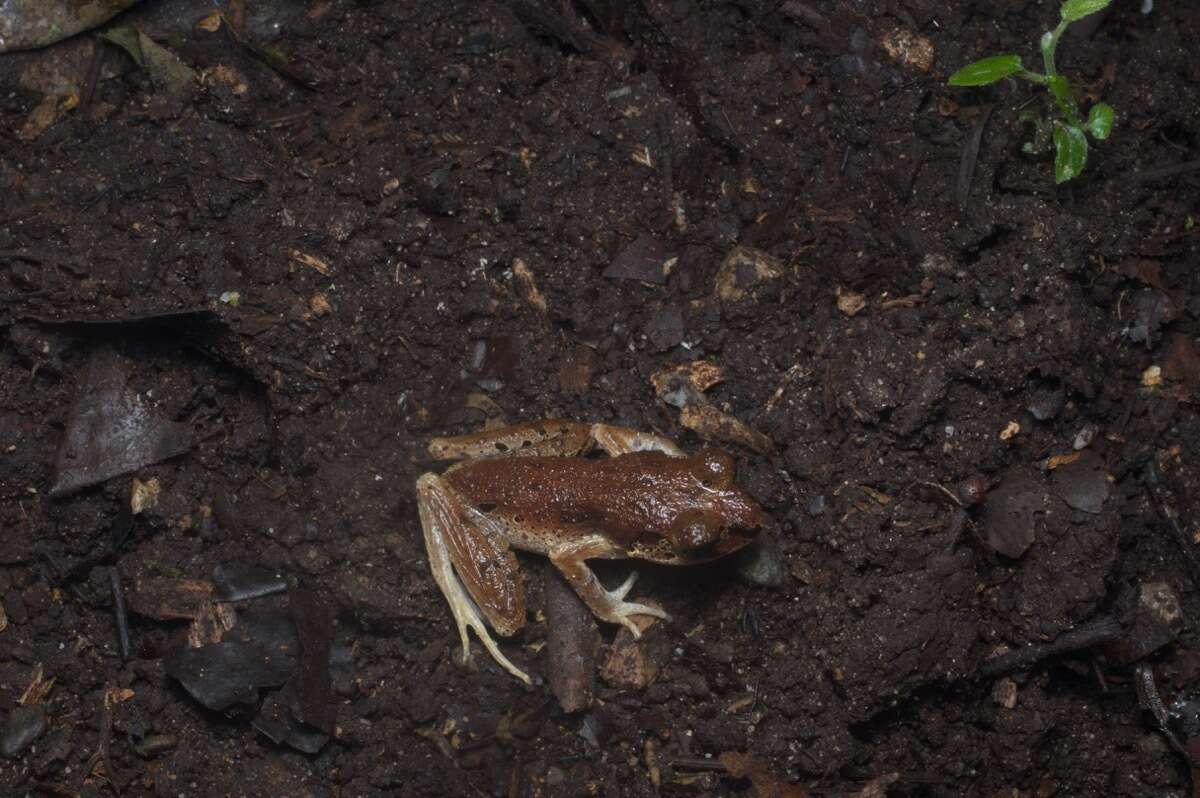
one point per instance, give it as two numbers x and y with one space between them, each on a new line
1050 44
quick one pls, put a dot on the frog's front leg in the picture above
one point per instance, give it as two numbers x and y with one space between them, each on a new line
607 605
474 568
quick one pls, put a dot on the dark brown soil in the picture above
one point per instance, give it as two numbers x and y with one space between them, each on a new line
368 202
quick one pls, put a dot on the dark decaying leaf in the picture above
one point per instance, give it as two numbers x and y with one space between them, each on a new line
111 430
227 673
1082 484
644 259
1010 513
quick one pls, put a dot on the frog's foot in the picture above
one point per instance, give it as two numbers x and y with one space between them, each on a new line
620 611
607 605
441 523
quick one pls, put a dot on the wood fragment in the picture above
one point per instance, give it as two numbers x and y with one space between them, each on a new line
311 261
571 642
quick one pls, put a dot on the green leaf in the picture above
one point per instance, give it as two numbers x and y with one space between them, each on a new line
1070 152
1100 121
989 70
1060 88
1073 10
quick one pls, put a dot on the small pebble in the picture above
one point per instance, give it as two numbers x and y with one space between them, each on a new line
761 563
973 489
24 725
1084 437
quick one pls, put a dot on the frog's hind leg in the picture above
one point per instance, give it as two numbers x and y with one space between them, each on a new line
551 438
607 605
622 440
459 551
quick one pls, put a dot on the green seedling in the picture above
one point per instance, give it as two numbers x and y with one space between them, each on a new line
1063 127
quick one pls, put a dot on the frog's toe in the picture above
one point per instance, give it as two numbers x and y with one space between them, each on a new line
620 593
625 610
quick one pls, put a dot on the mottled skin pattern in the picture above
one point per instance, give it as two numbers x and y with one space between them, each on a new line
533 492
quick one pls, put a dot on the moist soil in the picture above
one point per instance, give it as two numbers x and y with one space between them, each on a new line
367 224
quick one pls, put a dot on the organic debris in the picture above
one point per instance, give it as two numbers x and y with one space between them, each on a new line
743 270
629 664
766 785
166 599
26 24
1011 513
644 259
1082 483
227 673
683 386
111 431
571 640
166 70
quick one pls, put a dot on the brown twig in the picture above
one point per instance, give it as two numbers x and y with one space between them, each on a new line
1100 631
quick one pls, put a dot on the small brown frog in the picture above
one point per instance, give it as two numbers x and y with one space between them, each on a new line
529 487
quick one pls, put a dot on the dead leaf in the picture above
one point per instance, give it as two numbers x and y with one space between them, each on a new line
144 495
164 599
527 286
744 766
311 261
713 425
628 664
1061 460
212 621
743 270
850 303
116 695
908 49
319 305
702 374
211 23
38 688
227 76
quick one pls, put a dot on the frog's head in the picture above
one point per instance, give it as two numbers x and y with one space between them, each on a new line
720 517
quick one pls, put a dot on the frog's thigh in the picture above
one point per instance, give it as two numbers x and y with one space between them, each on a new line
607 605
622 440
551 438
481 558
459 553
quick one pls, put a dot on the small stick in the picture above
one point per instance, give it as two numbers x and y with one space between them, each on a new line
119 611
1100 631
570 644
